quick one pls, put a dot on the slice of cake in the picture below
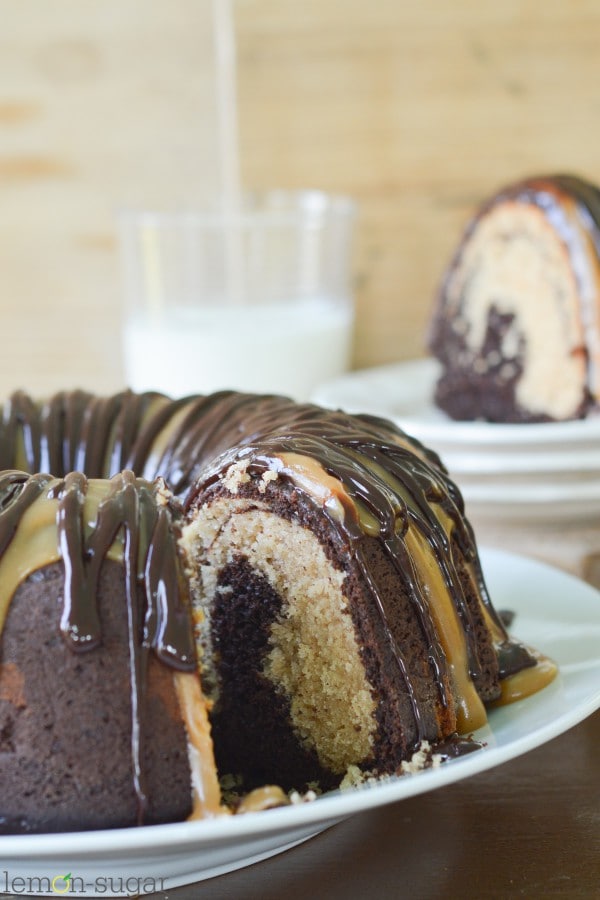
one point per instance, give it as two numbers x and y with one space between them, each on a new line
517 321
102 718
341 615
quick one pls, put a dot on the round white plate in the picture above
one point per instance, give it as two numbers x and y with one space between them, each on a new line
554 612
403 392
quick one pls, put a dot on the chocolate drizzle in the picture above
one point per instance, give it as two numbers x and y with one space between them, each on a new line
150 556
79 621
17 493
456 746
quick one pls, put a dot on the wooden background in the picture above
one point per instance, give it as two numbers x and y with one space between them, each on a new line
418 110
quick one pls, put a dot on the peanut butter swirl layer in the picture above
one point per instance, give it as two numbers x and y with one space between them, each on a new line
231 584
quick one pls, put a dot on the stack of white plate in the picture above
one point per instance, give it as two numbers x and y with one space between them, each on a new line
521 472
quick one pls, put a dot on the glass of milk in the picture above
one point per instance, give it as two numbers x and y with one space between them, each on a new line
256 300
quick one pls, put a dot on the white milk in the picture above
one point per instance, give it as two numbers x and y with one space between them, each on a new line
278 349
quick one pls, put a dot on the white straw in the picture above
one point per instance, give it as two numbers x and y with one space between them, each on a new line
228 146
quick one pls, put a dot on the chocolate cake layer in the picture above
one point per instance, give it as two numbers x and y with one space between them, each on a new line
66 754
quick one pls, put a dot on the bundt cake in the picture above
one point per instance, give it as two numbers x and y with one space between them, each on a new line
279 594
516 325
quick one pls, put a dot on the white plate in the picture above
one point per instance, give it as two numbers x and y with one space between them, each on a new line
404 393
555 612
547 466
532 503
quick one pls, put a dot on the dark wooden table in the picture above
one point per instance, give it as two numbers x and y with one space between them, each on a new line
529 828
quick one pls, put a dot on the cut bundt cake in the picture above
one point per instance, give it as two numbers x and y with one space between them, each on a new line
279 594
516 326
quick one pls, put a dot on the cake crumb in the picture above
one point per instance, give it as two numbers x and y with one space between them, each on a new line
354 778
266 477
296 797
235 476
422 758
163 494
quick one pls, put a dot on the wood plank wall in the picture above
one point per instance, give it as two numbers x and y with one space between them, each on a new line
418 110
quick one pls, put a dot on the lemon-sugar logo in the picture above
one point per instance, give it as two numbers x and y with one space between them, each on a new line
114 885
61 883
